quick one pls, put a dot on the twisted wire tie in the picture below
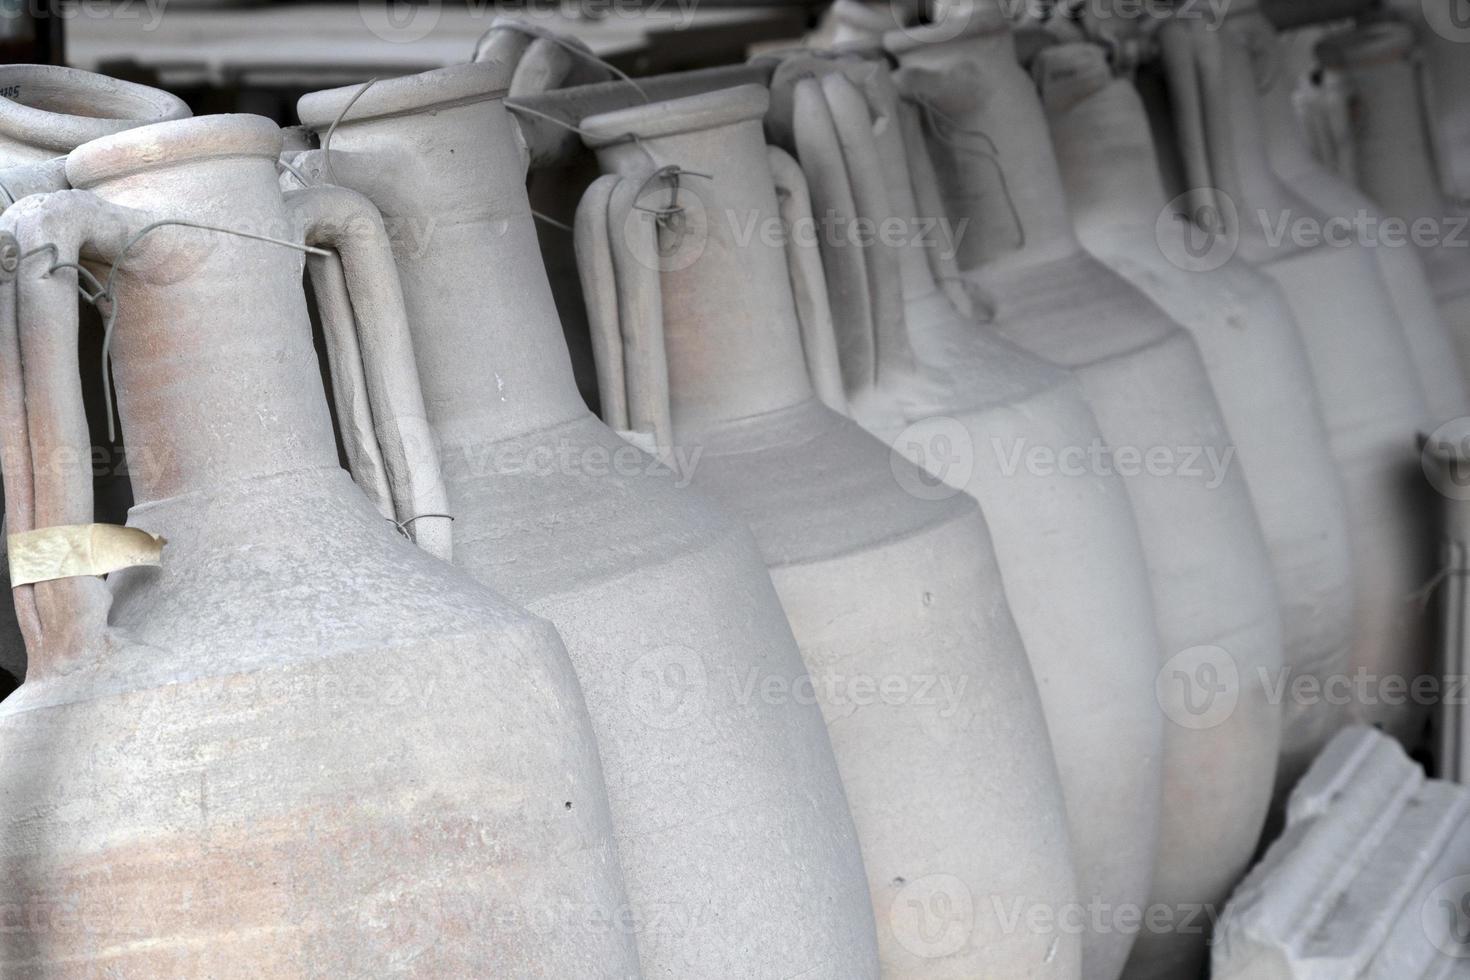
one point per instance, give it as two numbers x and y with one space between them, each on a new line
106 291
936 121
581 52
402 525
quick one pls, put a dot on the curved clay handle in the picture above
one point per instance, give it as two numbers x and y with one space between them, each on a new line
808 282
634 246
503 43
925 184
48 483
373 323
853 120
32 178
600 292
354 415
1187 94
848 289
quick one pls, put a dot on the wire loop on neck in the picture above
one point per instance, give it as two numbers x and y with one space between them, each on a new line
105 291
571 46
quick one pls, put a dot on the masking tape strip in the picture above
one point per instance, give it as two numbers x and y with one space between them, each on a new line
73 550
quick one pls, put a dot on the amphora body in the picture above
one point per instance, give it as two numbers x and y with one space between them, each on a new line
1393 153
1279 62
1371 396
302 746
1214 594
895 598
732 827
1256 360
1007 427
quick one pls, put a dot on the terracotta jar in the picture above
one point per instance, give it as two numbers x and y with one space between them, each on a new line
1257 364
1394 164
917 371
708 328
732 827
1215 597
1371 398
300 746
1279 62
45 112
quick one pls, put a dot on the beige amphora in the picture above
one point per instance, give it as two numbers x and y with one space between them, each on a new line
1372 397
706 330
1215 596
1257 365
732 827
296 744
1012 430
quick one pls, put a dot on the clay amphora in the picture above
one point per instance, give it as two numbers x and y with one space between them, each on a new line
302 746
1257 364
45 112
706 334
918 372
1371 398
1280 60
732 827
1441 29
1216 602
1394 164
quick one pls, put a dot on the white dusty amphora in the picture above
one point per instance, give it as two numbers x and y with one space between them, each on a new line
1215 598
1380 71
1280 61
1371 396
732 827
1257 364
1007 427
705 332
301 746
46 111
